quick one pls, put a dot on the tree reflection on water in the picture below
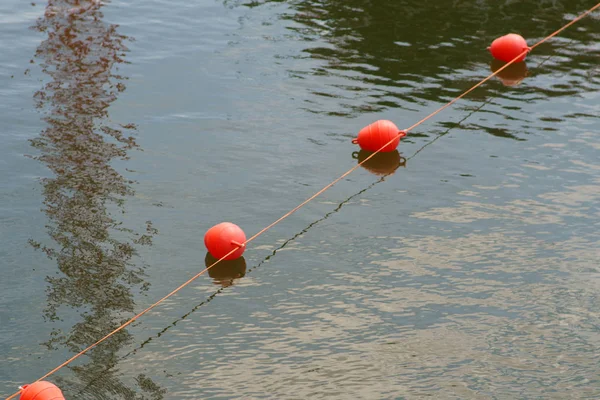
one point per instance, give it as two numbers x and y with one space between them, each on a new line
94 252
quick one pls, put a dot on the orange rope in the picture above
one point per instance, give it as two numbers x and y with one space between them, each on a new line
400 134
504 66
82 352
585 14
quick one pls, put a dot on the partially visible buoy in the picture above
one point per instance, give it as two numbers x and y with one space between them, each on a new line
381 163
227 271
511 75
373 137
41 390
223 238
507 47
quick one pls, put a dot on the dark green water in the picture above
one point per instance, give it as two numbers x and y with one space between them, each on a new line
131 127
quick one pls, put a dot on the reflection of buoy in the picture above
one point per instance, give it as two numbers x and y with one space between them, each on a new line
376 135
511 75
41 390
226 271
380 163
223 238
507 47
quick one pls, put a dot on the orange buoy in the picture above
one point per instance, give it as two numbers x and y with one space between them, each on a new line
511 75
507 47
381 163
223 238
373 137
41 390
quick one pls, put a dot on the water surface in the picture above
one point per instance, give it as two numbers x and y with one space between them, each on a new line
130 128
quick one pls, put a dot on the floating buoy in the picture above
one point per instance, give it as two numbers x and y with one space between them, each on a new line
507 47
223 238
41 390
225 272
511 75
380 163
376 135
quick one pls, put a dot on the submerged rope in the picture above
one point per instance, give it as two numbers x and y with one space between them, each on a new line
400 134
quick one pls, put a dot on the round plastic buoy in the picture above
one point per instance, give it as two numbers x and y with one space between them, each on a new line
41 390
507 47
511 75
381 163
227 271
373 137
223 238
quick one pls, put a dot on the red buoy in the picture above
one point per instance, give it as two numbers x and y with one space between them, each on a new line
373 137
223 238
41 390
507 47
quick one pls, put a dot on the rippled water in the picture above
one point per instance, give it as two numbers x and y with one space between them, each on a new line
131 127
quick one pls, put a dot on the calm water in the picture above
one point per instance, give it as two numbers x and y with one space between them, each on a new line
131 127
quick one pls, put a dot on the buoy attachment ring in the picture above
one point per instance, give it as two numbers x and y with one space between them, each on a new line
381 136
